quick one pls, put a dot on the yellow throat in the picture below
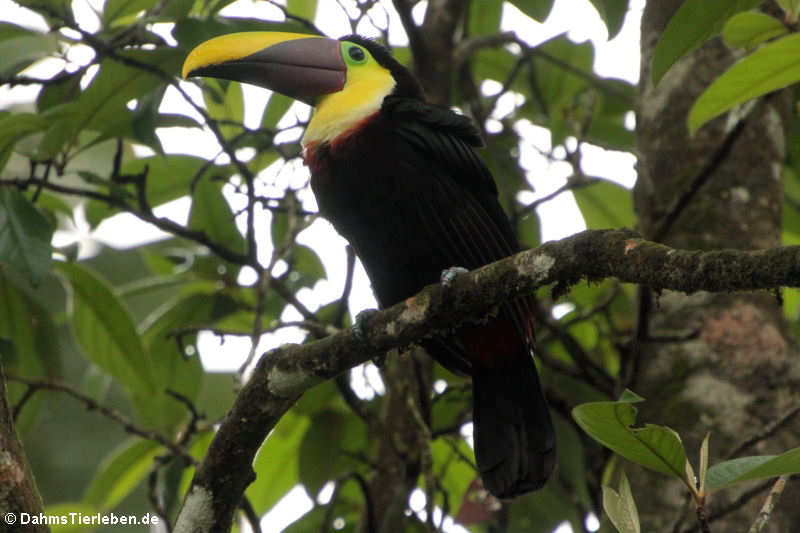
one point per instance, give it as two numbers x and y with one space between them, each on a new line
363 93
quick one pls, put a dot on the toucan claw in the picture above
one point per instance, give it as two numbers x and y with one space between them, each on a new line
449 275
360 323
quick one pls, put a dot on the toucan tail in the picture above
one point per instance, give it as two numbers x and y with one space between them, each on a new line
515 445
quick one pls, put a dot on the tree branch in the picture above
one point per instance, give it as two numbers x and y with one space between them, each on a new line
283 374
18 492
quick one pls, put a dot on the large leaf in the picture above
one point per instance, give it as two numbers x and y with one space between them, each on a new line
305 9
542 511
225 103
121 472
752 28
693 23
28 343
728 473
169 177
24 235
102 106
211 214
15 126
557 84
320 453
276 463
773 66
115 9
610 423
605 205
20 52
276 107
451 468
536 9
620 507
571 458
556 87
613 14
484 17
105 330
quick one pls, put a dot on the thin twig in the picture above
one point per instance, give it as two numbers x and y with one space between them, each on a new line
250 513
765 432
769 504
108 412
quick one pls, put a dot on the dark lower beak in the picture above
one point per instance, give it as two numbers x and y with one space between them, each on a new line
300 66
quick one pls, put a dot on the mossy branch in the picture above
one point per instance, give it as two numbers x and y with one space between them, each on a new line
283 374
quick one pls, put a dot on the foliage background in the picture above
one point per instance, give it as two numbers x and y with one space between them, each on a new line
121 328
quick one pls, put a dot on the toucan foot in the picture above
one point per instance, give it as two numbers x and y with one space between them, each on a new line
358 324
449 275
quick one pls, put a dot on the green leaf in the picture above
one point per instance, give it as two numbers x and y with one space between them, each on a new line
60 9
25 235
305 9
211 214
556 105
307 267
279 229
571 458
15 126
320 458
620 507
174 370
30 346
225 102
536 9
18 53
277 106
121 472
735 471
10 31
102 107
314 520
605 205
542 511
529 230
557 84
276 463
773 66
169 177
751 28
655 447
105 330
693 23
484 17
115 9
613 14
451 469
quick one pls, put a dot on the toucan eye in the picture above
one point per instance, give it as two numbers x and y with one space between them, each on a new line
356 54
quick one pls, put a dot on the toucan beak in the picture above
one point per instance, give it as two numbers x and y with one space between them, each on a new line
303 67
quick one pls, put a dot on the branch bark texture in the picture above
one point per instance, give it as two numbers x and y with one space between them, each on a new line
18 491
283 374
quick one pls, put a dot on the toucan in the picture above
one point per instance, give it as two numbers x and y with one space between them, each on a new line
399 178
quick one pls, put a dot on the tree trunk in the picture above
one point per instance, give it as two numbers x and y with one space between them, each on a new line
718 363
18 493
403 440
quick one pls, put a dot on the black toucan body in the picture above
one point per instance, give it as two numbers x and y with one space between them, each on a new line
399 179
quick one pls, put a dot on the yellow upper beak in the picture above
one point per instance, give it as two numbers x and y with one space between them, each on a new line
235 46
297 65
